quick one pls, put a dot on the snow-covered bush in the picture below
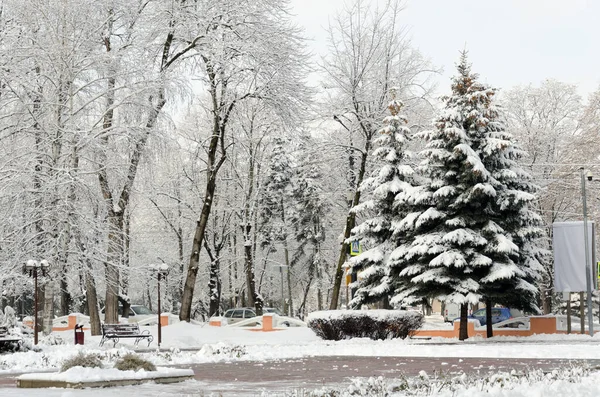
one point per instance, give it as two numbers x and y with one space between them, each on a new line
536 382
13 346
52 340
133 362
374 324
223 349
89 360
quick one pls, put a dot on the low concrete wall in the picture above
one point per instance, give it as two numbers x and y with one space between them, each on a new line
537 325
267 324
77 318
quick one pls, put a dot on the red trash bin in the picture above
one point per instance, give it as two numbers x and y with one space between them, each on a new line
79 334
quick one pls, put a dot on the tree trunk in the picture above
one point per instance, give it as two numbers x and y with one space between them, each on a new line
488 318
289 278
92 303
126 305
286 253
213 166
319 273
463 333
117 205
192 272
214 289
214 281
111 268
350 222
232 272
65 296
254 299
48 307
302 308
546 300
123 296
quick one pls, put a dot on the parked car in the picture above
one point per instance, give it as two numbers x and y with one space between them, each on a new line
238 314
272 310
136 313
451 311
515 322
498 314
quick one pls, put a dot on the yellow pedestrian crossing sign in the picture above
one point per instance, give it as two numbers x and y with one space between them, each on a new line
355 248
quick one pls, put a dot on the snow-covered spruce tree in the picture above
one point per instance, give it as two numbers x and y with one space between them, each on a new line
388 187
308 218
515 230
273 218
275 188
471 229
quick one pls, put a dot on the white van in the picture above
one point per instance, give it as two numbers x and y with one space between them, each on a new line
451 311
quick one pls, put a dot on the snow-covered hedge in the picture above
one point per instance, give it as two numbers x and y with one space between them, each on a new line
374 324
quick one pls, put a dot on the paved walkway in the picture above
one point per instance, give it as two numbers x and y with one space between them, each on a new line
275 377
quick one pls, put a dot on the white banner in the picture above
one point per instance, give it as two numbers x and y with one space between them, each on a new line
569 256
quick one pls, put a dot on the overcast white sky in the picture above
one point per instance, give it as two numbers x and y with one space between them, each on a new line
510 42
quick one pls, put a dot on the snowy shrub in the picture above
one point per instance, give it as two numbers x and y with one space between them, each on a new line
52 340
223 349
535 382
133 362
27 345
88 360
374 324
364 387
11 347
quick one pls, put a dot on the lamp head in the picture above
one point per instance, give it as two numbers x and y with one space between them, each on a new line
31 264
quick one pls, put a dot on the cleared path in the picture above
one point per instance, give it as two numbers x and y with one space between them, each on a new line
275 377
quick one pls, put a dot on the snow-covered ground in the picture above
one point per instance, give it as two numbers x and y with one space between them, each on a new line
185 343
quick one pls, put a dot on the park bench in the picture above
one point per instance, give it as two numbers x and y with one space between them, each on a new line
9 342
118 331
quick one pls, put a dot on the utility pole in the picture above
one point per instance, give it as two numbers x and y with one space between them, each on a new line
588 274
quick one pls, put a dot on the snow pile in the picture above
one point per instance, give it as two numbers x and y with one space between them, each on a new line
375 314
578 381
81 374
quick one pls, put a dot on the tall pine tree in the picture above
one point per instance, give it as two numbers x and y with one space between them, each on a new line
273 214
471 228
308 219
387 190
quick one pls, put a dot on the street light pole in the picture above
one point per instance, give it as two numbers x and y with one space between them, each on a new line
159 324
32 266
161 270
35 307
588 276
282 298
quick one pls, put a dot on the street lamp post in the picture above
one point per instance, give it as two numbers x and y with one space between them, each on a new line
282 296
32 267
161 270
282 293
588 276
